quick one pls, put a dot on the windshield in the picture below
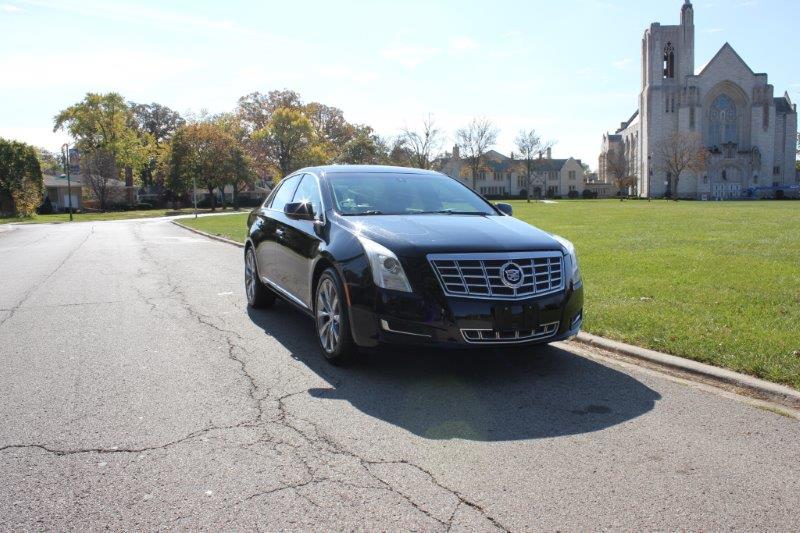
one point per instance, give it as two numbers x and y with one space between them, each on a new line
394 193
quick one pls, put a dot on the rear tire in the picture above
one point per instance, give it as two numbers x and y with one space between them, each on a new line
332 320
258 296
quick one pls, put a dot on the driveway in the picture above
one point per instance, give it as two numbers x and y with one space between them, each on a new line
138 392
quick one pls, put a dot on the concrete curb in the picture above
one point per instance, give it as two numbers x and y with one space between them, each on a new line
670 364
209 235
686 368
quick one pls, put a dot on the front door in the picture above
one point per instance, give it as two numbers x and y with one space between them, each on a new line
298 243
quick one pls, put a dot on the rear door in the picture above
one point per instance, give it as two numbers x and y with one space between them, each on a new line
298 243
265 247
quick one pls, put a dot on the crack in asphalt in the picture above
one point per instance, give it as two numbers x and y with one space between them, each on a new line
319 445
13 310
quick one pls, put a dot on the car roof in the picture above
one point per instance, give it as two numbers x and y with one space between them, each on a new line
368 169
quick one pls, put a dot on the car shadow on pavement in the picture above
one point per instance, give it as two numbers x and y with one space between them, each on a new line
498 394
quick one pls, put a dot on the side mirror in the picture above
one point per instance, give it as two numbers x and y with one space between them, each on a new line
506 209
299 210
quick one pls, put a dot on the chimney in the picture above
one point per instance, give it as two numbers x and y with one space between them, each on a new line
549 153
540 154
456 152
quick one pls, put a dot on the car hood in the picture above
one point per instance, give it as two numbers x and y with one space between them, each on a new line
415 235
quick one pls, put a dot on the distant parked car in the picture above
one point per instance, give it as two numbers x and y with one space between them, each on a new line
395 255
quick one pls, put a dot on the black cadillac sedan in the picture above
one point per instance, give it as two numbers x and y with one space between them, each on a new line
380 254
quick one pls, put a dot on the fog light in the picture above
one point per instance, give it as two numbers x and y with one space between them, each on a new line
576 319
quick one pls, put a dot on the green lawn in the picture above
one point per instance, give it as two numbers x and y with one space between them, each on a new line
111 215
717 282
231 226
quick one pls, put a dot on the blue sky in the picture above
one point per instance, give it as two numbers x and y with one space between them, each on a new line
569 68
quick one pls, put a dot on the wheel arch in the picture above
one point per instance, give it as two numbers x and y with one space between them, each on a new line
323 263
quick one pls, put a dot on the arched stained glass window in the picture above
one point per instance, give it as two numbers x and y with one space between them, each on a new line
723 122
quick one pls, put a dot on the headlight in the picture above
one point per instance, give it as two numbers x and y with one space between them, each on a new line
572 267
387 272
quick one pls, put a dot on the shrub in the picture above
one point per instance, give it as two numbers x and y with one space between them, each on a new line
47 207
588 194
779 194
573 195
144 205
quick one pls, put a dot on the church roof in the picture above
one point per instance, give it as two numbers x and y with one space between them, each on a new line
726 48
783 106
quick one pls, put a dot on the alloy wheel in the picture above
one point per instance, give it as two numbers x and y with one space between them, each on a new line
328 316
250 276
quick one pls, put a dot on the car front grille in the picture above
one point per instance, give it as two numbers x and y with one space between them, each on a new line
480 275
490 336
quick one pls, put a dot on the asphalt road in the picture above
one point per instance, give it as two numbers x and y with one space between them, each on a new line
138 392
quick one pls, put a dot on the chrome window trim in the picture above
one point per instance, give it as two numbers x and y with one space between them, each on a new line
302 175
497 256
274 191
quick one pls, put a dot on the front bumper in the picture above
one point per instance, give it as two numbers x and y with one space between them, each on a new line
401 318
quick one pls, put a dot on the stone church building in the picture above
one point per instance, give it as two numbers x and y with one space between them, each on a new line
750 134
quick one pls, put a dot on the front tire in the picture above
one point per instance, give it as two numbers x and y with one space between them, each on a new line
331 319
258 296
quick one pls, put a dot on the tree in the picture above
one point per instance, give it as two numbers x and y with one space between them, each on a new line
161 123
287 136
103 126
100 173
530 147
256 108
206 152
474 140
619 166
425 145
678 153
20 179
330 127
365 148
49 162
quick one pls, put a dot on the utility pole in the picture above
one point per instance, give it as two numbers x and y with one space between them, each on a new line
194 194
65 151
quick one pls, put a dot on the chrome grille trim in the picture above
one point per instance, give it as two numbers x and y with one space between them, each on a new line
489 336
478 275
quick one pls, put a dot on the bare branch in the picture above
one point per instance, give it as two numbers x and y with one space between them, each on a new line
474 141
678 153
423 146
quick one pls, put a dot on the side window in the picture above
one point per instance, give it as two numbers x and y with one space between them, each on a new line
308 191
285 192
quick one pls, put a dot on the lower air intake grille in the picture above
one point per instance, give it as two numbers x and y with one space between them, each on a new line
490 336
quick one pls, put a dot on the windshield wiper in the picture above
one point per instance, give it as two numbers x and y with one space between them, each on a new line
449 212
370 212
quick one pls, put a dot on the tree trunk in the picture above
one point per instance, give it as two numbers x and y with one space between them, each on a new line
212 199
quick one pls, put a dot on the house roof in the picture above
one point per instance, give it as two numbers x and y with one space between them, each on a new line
61 181
513 165
75 180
